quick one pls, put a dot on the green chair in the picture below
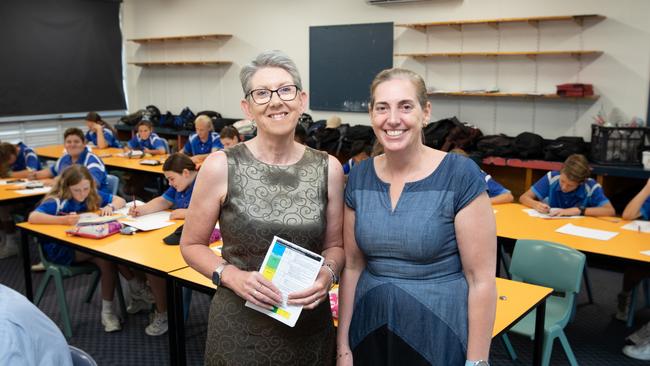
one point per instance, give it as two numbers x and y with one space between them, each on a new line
60 272
551 265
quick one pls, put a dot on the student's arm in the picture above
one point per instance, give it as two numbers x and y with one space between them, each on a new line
332 245
22 174
101 139
197 159
116 203
155 205
502 198
43 174
476 237
633 209
158 151
355 263
530 199
38 217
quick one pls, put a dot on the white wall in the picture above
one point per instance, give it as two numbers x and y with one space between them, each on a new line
620 75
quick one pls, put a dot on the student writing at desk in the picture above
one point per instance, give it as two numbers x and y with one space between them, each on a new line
569 191
497 193
100 133
16 161
73 193
204 141
180 171
146 140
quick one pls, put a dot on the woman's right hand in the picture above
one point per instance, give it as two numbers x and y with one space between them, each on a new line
252 286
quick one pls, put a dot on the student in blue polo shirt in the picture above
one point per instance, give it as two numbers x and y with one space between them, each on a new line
18 161
147 141
75 192
76 152
181 173
569 192
498 194
100 133
639 206
204 141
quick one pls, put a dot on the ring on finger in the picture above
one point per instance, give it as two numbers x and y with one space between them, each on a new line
255 293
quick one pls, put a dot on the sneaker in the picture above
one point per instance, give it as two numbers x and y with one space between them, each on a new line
158 325
136 306
623 306
640 352
38 267
142 292
111 322
640 336
8 250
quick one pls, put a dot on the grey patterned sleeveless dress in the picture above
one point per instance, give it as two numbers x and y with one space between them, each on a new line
265 200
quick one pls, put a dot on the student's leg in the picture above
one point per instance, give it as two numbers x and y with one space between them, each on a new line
158 325
9 244
108 271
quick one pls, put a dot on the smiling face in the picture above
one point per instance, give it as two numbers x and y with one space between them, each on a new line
81 190
396 115
277 117
74 145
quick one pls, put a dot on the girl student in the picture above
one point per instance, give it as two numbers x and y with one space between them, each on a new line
100 133
73 193
230 136
181 173
147 140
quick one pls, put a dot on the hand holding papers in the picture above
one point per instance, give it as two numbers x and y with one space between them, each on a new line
291 268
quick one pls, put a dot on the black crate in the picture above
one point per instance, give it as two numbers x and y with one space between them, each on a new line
618 145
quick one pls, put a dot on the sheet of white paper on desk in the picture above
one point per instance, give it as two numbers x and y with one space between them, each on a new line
638 225
534 213
34 190
125 210
645 252
148 222
586 232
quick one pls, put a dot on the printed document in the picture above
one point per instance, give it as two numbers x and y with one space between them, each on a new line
638 225
586 232
291 268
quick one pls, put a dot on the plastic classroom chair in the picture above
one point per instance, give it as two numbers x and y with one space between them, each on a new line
113 183
531 263
60 272
81 357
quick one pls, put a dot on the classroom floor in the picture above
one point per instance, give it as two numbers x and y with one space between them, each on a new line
595 337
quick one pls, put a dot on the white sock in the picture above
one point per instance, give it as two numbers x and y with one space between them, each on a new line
107 306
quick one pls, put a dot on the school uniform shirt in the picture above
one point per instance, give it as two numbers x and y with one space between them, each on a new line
645 209
493 187
588 194
179 199
27 336
154 142
111 140
91 161
26 159
195 146
348 166
58 253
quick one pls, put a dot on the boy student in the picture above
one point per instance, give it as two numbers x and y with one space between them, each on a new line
569 192
204 141
147 140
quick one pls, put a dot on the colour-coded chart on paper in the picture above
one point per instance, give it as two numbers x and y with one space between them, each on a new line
291 268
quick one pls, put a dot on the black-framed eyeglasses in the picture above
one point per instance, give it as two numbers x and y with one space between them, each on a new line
262 96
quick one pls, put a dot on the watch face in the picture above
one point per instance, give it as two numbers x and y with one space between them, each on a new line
216 278
482 363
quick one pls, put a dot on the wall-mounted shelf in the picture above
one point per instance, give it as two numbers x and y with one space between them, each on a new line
197 37
532 54
180 63
495 22
509 95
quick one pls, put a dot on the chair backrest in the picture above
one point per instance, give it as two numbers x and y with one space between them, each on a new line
113 183
548 264
81 357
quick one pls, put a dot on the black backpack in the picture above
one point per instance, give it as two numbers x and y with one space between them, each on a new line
560 148
496 145
133 118
529 145
436 133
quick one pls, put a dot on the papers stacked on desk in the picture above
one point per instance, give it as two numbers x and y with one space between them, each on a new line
156 220
34 190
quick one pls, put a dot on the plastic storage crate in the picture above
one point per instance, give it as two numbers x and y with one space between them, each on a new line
618 145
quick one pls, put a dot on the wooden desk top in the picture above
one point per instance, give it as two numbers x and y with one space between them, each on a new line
8 193
143 248
513 222
514 300
109 157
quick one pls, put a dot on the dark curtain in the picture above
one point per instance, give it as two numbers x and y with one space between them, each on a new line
60 56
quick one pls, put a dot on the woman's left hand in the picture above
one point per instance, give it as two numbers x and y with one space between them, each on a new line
311 297
106 210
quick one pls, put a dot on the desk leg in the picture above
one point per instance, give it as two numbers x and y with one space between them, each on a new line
176 331
540 317
27 264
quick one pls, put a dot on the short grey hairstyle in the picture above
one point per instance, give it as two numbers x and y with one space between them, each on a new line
274 58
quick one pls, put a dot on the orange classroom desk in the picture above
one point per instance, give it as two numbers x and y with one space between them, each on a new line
515 300
110 158
9 194
514 223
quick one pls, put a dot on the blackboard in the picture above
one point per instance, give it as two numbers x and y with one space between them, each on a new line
343 60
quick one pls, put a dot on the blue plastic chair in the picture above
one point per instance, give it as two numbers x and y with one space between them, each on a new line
113 183
551 265
81 357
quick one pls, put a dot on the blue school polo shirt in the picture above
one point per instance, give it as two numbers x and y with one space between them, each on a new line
26 159
154 142
645 209
195 146
111 140
493 187
588 194
57 253
179 199
91 161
